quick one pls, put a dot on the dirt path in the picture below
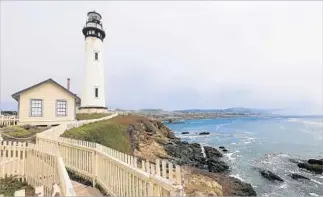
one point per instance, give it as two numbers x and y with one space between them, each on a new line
83 190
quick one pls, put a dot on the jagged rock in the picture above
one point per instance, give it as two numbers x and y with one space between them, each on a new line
315 161
160 140
216 165
204 133
270 176
171 135
185 132
149 128
298 176
187 154
212 152
315 168
240 188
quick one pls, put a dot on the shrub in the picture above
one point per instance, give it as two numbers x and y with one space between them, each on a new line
10 184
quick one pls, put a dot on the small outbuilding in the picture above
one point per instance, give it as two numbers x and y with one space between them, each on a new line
46 103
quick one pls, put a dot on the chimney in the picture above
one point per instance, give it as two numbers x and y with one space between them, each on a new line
68 83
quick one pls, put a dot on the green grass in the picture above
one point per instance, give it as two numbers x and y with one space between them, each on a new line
10 184
84 116
23 131
17 131
104 132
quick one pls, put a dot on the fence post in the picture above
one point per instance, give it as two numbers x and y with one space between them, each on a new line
94 166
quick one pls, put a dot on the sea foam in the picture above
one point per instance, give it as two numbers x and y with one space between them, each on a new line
237 176
315 181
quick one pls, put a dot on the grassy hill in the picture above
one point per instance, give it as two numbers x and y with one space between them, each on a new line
105 132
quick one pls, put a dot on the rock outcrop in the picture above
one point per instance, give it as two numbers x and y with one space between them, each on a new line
270 175
184 153
230 186
315 161
204 133
215 165
212 152
298 176
312 165
315 168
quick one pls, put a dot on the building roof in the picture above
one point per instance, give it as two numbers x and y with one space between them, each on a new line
17 94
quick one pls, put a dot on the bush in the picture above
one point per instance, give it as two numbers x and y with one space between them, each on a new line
10 184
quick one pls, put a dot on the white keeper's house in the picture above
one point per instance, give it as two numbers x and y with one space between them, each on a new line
46 103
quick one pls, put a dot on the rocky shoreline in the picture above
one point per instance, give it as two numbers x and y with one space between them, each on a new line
190 154
203 165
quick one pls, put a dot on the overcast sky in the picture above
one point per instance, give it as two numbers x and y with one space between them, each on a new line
172 55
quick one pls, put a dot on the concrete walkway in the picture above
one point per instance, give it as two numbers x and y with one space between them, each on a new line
83 190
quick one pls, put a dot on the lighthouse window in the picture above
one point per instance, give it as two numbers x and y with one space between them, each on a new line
96 56
96 92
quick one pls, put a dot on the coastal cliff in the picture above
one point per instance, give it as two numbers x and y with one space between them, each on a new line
204 175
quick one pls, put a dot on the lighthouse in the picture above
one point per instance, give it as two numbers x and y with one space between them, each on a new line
93 92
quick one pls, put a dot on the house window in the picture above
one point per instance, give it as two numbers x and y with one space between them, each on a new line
36 107
96 92
61 108
96 55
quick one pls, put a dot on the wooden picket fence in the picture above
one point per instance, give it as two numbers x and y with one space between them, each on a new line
8 120
37 165
117 173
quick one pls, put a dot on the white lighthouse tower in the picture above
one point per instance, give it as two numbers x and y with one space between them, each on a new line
93 97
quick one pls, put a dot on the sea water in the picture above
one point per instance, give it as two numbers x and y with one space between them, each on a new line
267 143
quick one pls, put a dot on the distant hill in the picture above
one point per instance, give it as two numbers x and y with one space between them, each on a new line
150 110
229 110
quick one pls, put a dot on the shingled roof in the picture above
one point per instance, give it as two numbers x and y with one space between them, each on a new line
17 94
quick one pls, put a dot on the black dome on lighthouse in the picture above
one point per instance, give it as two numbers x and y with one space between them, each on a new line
93 26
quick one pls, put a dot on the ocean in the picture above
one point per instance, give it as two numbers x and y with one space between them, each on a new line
267 143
